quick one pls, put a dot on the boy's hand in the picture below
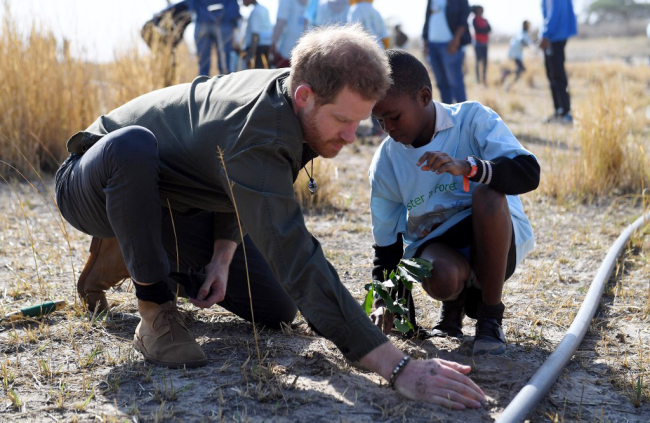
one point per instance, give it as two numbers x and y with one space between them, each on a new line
382 318
439 162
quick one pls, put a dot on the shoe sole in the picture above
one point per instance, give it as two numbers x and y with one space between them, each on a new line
137 344
440 334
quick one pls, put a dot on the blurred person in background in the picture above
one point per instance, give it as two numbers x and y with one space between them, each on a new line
516 53
363 12
445 33
481 39
215 21
163 32
559 25
289 26
399 37
258 35
332 12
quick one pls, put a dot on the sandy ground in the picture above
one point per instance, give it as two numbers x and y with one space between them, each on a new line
74 367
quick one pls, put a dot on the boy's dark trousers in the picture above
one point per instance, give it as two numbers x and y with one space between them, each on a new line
554 62
112 190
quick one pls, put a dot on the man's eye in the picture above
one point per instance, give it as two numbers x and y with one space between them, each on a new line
396 117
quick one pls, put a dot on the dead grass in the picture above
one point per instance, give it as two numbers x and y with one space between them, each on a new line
46 95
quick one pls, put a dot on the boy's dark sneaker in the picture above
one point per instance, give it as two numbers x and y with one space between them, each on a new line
489 337
450 320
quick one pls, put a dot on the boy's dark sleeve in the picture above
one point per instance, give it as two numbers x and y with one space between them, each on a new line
509 176
387 258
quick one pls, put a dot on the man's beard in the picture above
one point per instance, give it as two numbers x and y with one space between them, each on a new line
311 134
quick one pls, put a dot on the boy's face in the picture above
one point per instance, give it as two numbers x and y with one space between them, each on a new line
405 118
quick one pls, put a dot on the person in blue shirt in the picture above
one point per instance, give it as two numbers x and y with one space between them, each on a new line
215 21
445 184
445 33
559 25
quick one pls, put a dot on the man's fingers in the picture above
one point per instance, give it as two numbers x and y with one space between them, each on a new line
449 371
208 302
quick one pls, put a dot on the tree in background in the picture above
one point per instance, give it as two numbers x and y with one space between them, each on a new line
617 10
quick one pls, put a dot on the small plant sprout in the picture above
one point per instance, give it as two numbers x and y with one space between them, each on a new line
408 272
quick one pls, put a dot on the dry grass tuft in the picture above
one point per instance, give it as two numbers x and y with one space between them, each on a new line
610 160
46 95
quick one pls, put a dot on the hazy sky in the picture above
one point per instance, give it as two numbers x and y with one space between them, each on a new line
97 27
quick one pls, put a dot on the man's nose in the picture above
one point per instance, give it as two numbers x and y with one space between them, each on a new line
348 134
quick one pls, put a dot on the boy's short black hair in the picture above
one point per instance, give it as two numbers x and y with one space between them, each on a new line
523 26
408 73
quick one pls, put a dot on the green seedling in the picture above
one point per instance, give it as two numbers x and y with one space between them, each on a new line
407 273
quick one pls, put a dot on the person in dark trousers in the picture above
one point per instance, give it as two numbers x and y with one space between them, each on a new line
177 175
215 22
559 25
445 185
482 31
445 33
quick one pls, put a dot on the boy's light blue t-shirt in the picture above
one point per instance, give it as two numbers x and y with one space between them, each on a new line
439 31
259 22
422 205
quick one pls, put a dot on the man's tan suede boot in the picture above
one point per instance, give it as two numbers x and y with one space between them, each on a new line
163 338
104 269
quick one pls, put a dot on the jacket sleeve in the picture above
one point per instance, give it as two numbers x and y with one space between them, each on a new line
503 163
262 177
226 226
509 176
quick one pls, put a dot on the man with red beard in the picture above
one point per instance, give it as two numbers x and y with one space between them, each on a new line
150 174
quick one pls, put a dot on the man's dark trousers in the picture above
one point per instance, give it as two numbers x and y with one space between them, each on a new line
112 190
554 62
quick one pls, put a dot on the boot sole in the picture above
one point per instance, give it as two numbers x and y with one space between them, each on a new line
137 344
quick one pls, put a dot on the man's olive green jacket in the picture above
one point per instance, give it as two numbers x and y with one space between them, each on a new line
249 117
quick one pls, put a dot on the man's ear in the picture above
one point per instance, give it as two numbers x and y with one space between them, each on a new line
304 95
425 95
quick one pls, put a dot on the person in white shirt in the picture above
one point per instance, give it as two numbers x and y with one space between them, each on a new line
289 26
364 13
516 53
258 36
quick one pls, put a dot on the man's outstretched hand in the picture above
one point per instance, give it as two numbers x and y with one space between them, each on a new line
436 381
440 382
